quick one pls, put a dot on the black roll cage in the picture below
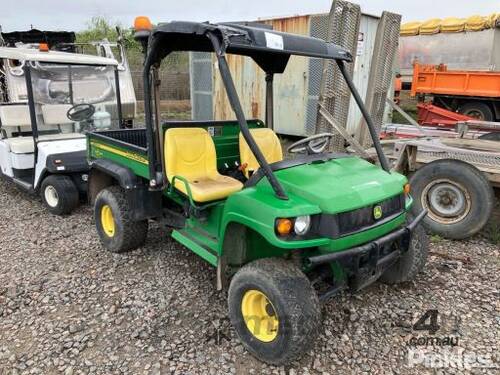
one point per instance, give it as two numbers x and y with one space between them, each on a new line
271 61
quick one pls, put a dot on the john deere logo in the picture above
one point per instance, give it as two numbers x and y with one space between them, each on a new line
377 212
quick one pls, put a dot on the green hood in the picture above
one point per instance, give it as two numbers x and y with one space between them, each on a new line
341 184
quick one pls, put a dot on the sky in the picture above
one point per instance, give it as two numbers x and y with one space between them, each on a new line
74 14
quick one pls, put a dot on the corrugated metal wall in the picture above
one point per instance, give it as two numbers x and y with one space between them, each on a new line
296 91
290 88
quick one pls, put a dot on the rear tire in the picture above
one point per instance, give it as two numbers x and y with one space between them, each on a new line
113 218
59 194
478 110
274 293
411 262
457 195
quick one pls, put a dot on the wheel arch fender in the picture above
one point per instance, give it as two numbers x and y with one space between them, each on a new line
39 179
243 242
235 220
145 204
104 173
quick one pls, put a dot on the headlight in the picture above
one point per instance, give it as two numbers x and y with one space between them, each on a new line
290 226
302 224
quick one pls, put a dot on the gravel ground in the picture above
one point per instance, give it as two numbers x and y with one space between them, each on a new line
67 306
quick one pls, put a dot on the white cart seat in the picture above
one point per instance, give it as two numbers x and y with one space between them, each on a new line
25 145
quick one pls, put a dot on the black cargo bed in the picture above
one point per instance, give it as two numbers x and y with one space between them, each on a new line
129 138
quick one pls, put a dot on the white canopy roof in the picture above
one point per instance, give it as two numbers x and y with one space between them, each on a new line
31 54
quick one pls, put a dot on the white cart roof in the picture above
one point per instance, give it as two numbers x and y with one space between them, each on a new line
31 54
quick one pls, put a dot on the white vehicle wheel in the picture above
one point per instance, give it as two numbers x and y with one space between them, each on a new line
59 194
51 196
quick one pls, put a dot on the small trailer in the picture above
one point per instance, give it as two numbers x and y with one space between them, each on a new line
453 170
451 178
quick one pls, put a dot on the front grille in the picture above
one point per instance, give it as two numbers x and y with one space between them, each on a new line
345 223
356 220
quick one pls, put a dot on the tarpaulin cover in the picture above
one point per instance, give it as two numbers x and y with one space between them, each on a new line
450 25
432 26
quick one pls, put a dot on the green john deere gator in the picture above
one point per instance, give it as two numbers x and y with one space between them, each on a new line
283 235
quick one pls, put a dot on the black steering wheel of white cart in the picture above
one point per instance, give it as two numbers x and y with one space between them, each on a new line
314 144
80 112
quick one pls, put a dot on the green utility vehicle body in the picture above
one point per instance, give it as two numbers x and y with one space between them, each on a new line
341 185
284 233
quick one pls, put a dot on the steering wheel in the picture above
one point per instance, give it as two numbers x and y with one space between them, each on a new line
314 144
80 112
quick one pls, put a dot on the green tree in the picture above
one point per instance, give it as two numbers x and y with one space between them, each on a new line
99 28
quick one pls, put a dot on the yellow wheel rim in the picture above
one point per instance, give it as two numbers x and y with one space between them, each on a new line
259 315
107 221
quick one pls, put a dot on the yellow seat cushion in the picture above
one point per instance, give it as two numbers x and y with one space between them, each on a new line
190 154
210 189
269 144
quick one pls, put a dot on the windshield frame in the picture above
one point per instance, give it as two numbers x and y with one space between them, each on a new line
27 68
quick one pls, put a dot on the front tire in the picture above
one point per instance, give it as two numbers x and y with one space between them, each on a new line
457 195
274 310
411 262
113 218
59 194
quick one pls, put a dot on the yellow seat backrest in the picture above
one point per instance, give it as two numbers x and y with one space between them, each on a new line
190 153
269 144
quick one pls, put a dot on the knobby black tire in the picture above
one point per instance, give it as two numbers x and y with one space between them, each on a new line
130 234
296 303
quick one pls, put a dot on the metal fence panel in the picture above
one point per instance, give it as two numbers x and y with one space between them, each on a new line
318 28
200 69
174 85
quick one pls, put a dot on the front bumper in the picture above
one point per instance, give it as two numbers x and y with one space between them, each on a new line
367 262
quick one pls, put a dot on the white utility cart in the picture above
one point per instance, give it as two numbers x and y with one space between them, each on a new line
42 141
